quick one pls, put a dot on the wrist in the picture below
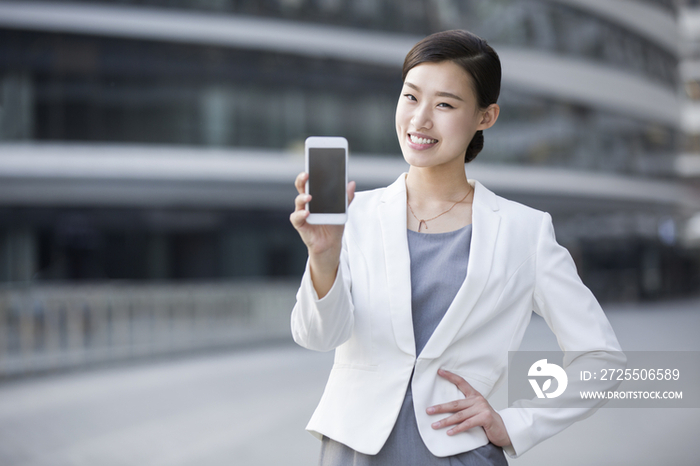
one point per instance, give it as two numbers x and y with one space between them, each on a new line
323 269
325 262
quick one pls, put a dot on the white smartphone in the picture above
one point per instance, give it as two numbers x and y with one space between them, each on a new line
327 166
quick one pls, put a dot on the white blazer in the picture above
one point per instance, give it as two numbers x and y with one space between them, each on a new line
515 267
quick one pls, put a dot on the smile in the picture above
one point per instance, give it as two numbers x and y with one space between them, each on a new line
420 140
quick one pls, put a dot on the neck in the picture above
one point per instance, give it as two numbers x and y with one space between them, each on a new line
436 185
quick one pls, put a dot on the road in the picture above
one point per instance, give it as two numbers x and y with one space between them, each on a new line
249 407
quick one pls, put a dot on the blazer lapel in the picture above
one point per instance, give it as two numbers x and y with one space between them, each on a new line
392 214
485 223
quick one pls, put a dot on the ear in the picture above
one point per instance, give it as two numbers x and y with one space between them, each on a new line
488 117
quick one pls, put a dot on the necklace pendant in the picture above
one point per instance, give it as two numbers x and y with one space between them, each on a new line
422 223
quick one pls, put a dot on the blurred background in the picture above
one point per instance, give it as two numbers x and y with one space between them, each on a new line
148 150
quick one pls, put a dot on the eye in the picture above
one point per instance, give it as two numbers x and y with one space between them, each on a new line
445 105
410 97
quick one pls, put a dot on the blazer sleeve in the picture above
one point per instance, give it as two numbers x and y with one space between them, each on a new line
326 323
583 333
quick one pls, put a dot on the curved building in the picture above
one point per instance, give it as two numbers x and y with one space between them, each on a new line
139 141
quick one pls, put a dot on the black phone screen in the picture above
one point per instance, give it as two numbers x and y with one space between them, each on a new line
327 180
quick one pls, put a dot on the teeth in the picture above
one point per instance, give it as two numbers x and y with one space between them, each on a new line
417 140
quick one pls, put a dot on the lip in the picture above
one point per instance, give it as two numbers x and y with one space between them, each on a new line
416 146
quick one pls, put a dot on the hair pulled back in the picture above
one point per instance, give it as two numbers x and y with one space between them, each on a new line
475 56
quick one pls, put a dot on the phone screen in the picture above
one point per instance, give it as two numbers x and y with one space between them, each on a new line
327 180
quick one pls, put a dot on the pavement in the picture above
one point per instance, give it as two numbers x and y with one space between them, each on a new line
250 406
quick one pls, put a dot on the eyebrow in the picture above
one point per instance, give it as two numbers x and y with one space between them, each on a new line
439 93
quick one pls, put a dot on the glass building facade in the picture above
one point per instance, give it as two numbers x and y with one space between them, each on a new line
72 87
85 88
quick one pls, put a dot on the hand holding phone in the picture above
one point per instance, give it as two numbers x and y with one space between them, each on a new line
322 240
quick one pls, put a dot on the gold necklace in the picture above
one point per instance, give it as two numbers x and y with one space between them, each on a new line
424 222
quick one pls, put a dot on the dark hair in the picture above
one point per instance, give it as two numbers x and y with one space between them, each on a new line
475 56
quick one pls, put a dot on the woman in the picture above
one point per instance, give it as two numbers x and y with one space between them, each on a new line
431 282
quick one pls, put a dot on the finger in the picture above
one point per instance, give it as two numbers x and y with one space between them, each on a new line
300 201
463 420
462 384
351 191
456 418
476 420
298 218
451 407
300 182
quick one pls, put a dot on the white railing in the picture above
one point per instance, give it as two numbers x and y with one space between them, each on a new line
44 327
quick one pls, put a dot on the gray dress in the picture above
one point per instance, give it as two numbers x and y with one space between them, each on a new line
438 269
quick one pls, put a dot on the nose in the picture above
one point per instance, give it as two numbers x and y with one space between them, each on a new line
422 117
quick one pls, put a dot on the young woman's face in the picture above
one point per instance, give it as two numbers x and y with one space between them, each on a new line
437 114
